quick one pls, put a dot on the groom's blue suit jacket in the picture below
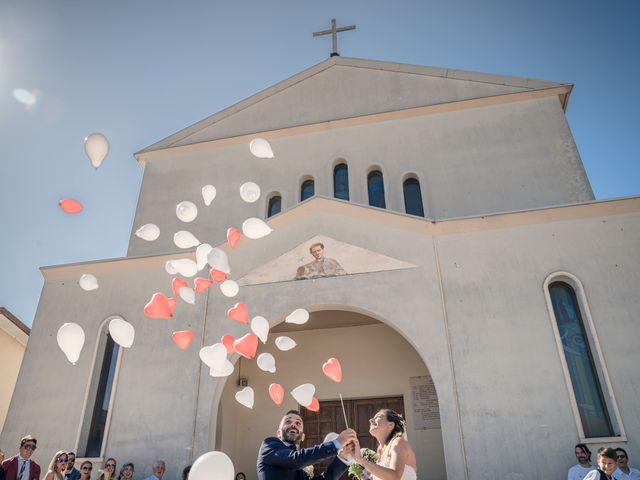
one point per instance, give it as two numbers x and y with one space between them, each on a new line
279 461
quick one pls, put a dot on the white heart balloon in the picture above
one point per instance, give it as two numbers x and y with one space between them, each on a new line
170 267
186 211
202 252
245 397
285 343
260 326
224 371
188 295
266 362
185 267
255 228
122 332
229 288
218 260
304 394
184 239
249 192
299 317
71 340
96 146
212 466
260 148
88 282
214 356
208 194
148 232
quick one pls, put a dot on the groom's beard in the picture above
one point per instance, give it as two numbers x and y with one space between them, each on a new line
291 436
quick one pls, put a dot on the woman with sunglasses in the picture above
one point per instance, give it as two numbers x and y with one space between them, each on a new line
109 470
85 470
126 472
57 467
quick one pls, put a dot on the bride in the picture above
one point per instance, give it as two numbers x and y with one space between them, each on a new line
396 459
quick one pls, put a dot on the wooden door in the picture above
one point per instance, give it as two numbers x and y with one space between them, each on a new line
331 419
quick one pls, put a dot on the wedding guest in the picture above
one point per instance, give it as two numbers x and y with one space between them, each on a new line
58 466
126 472
241 476
109 470
185 472
159 468
72 472
21 467
85 470
624 471
607 463
2 475
580 469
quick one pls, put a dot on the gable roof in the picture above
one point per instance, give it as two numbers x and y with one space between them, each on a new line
340 88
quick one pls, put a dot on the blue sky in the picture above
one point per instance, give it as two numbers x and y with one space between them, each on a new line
139 70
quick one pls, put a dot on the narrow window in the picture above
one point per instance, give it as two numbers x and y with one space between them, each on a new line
275 205
590 400
375 185
413 197
307 190
341 181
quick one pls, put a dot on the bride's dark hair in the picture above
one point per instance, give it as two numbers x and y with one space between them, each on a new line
399 424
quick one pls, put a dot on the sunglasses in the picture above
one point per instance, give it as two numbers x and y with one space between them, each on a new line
110 465
62 460
87 468
29 446
622 456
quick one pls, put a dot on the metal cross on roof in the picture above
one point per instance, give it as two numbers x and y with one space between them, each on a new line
334 34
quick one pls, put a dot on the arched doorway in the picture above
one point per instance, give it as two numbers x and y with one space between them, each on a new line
379 366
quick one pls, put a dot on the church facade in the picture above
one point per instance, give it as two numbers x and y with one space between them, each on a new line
441 230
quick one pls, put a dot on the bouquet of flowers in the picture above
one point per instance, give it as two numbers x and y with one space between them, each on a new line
358 471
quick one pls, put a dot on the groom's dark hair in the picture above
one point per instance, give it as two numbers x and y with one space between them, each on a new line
294 412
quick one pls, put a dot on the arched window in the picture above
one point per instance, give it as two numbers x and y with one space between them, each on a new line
584 369
341 181
412 197
275 206
375 186
307 189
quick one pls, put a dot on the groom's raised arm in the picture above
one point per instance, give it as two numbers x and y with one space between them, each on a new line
274 452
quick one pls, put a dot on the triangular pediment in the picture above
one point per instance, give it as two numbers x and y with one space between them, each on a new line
342 88
334 258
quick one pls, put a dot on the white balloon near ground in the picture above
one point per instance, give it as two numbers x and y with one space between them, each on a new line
170 267
202 252
285 343
260 148
222 371
70 339
245 397
298 317
96 146
219 260
185 267
330 437
209 193
148 232
249 192
122 332
185 239
186 211
304 394
229 288
212 466
188 295
255 228
260 326
88 282
266 362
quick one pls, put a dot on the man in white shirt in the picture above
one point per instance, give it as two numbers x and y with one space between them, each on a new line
580 470
158 470
624 471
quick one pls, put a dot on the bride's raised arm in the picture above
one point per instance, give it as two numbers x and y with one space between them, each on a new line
394 468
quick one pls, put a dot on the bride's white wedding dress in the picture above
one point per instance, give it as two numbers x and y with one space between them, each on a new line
408 474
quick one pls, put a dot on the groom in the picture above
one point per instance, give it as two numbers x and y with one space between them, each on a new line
280 459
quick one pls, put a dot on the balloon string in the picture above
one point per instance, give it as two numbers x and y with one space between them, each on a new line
346 424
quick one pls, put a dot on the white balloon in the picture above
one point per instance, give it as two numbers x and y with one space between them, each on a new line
208 194
218 259
214 356
71 340
88 282
122 332
304 394
96 146
229 288
148 232
266 362
224 371
184 239
212 466
255 228
299 316
330 437
188 295
186 211
202 252
185 267
260 326
285 343
245 397
260 148
249 192
170 267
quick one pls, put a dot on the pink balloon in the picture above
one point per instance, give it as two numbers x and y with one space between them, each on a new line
177 284
183 338
201 284
233 236
160 306
276 392
218 275
247 345
238 313
70 205
228 340
314 406
333 369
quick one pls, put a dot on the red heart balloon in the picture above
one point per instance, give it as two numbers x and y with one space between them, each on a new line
276 392
247 345
183 338
70 205
160 306
218 275
201 284
233 236
227 340
177 284
314 406
238 313
333 369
